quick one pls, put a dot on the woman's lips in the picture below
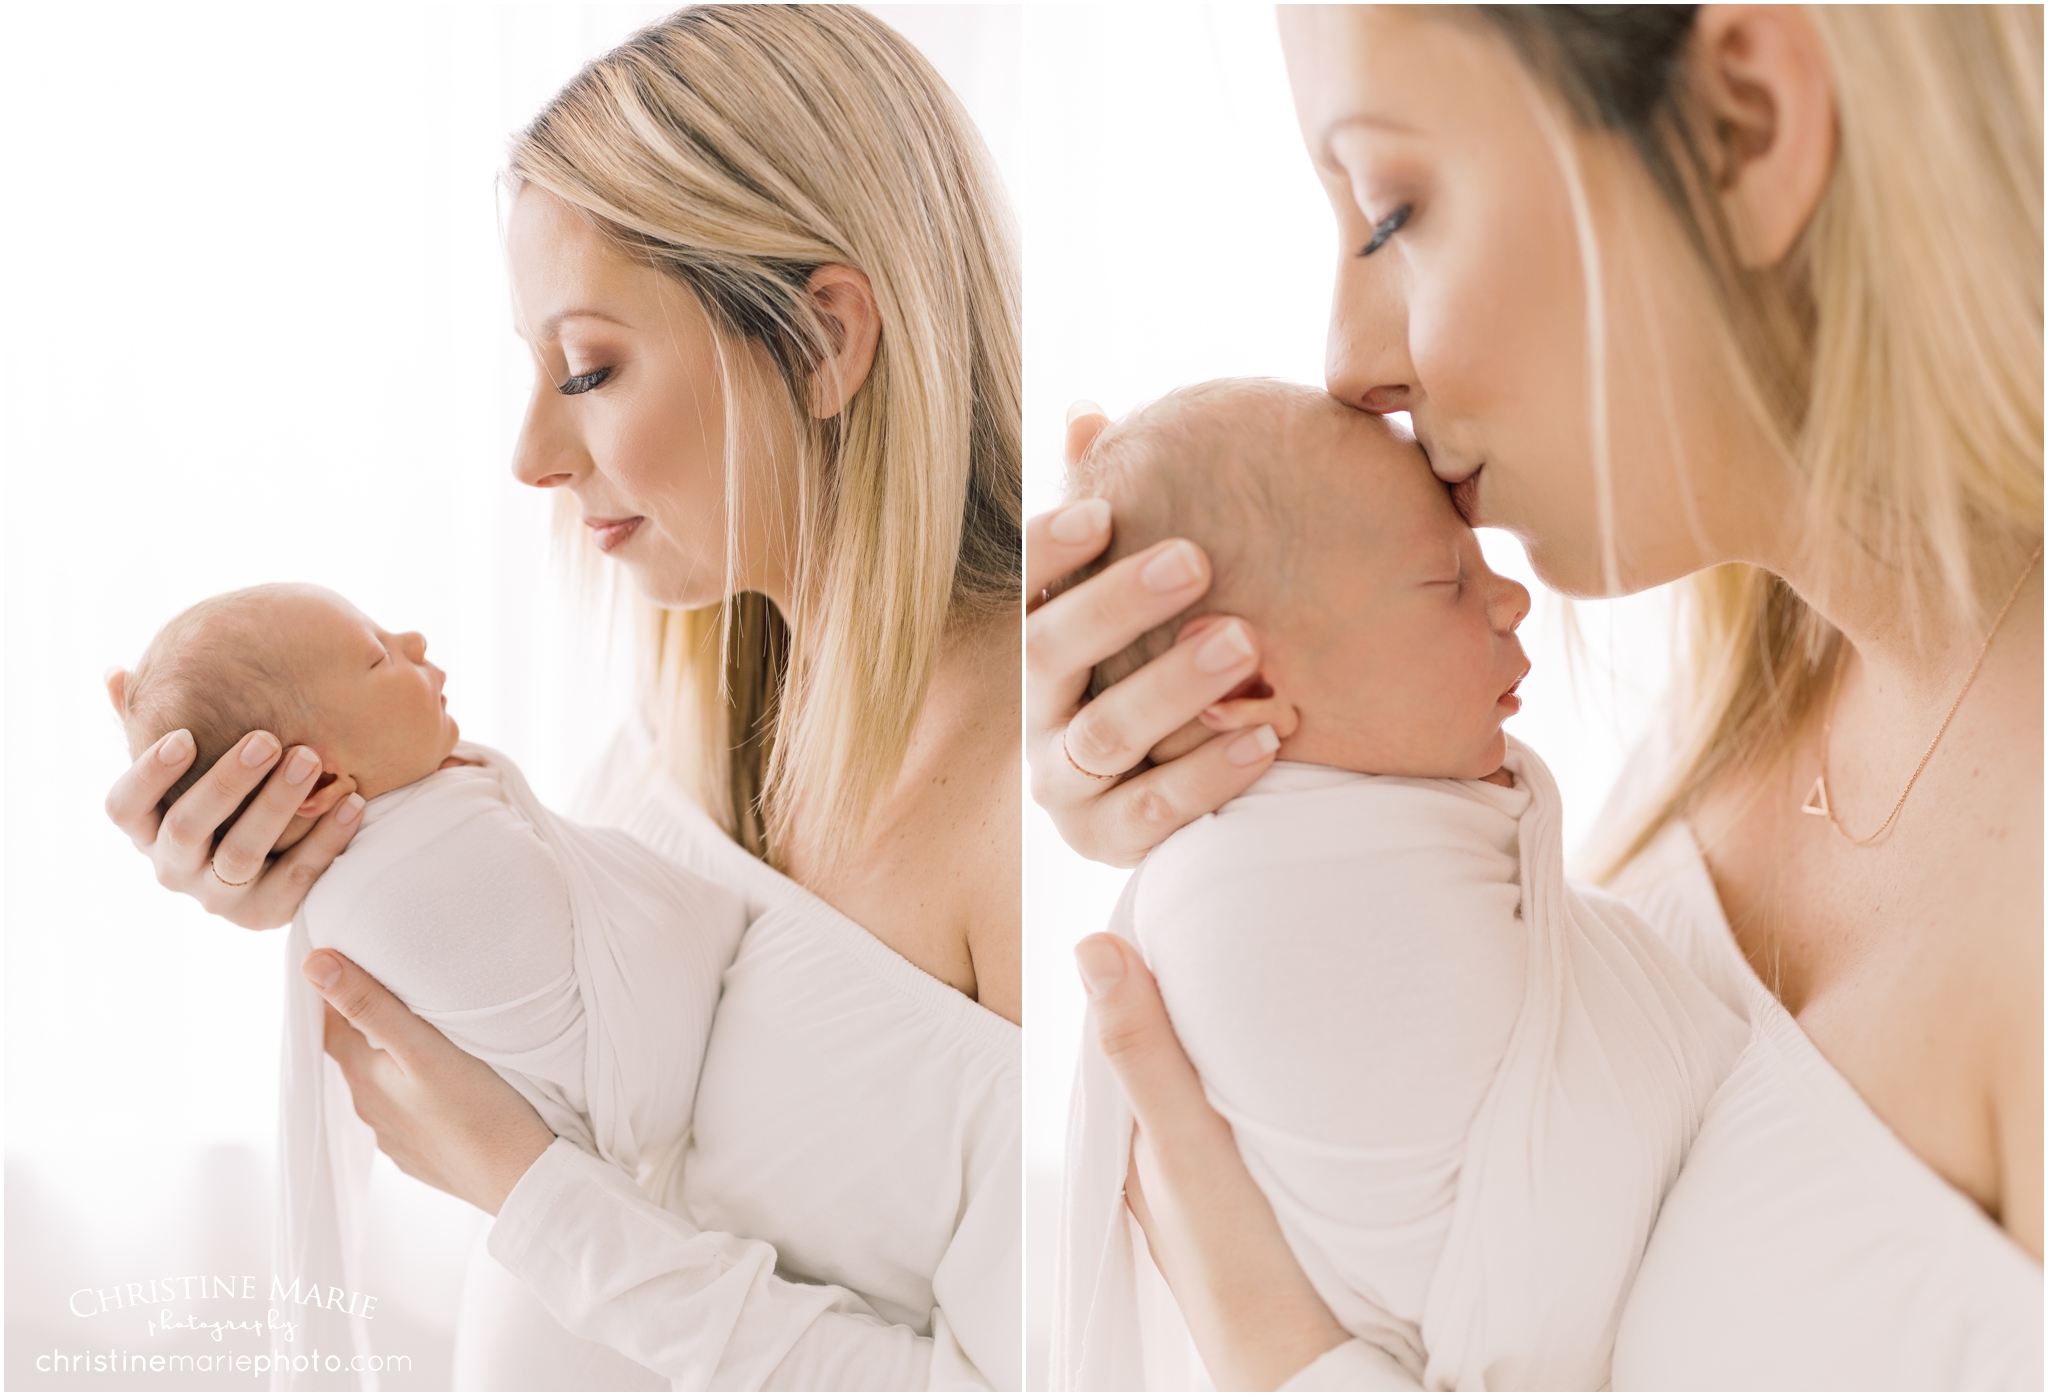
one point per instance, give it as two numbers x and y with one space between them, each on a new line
610 533
1465 498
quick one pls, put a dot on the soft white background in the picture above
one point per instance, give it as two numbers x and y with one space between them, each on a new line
257 329
1177 233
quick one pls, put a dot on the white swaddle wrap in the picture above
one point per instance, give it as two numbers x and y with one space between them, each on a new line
1463 1083
580 964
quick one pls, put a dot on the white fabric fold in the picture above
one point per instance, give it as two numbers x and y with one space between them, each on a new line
581 965
1463 1083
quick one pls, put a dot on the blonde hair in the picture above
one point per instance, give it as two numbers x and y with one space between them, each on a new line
1896 356
740 148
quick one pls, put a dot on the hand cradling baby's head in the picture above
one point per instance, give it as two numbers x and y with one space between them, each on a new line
1387 643
304 665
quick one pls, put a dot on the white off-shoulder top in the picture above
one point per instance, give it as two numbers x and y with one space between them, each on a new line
1803 1245
847 1214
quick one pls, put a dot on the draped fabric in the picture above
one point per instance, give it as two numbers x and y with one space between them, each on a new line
578 963
1463 1083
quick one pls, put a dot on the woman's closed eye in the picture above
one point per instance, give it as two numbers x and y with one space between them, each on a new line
1386 228
583 382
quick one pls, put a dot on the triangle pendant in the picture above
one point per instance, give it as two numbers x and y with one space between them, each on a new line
1817 798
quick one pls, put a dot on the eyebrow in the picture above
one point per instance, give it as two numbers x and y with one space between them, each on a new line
553 323
1322 145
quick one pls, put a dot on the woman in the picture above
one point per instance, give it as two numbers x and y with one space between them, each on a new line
767 276
1750 295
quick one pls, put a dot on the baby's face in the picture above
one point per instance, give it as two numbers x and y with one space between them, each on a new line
1392 638
374 698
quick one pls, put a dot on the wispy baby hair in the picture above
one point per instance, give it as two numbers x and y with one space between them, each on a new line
218 671
1203 463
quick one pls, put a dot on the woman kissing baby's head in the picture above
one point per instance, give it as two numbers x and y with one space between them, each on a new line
302 664
1387 644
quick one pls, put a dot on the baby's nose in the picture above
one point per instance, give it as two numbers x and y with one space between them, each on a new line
1511 604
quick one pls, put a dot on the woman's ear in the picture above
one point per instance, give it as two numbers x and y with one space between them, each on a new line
117 689
1767 108
845 301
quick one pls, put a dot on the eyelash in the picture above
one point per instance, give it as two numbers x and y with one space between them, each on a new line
1386 228
583 382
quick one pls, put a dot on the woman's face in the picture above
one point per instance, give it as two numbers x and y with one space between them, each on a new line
628 415
1470 313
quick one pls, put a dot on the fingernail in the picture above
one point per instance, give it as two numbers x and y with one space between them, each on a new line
1101 964
302 765
175 748
1226 649
351 810
261 748
1255 745
322 969
1080 523
1082 407
1172 569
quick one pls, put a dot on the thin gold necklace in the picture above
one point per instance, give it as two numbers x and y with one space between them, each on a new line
1817 798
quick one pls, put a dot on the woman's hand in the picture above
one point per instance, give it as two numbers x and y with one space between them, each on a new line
240 880
1079 751
1254 1316
444 1117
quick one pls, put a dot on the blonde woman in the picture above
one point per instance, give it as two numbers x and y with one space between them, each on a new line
767 276
1749 296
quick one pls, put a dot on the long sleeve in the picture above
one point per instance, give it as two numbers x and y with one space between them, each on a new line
704 1309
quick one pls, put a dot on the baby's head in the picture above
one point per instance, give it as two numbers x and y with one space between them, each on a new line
1380 626
302 664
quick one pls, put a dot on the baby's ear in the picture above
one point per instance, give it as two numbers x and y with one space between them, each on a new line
328 791
1250 704
117 689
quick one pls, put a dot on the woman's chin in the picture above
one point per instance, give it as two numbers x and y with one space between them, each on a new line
677 589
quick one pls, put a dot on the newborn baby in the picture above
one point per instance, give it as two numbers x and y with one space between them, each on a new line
581 965
1463 1084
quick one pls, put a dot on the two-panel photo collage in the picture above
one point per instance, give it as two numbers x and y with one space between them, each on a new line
1023 697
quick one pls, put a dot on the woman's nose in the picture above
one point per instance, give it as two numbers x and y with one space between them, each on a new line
1365 359
548 454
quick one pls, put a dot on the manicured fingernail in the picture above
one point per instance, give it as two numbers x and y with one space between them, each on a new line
1226 649
302 765
351 810
1100 963
1255 745
1082 408
1172 569
261 748
1080 523
175 748
322 969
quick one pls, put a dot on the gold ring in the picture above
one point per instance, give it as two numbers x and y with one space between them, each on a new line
1064 752
225 883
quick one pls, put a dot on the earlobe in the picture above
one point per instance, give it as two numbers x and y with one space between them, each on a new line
1767 116
845 300
329 790
117 690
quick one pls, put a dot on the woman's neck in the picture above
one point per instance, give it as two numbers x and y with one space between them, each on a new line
1897 625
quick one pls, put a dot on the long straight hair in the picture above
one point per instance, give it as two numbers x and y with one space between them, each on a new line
738 149
1895 359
